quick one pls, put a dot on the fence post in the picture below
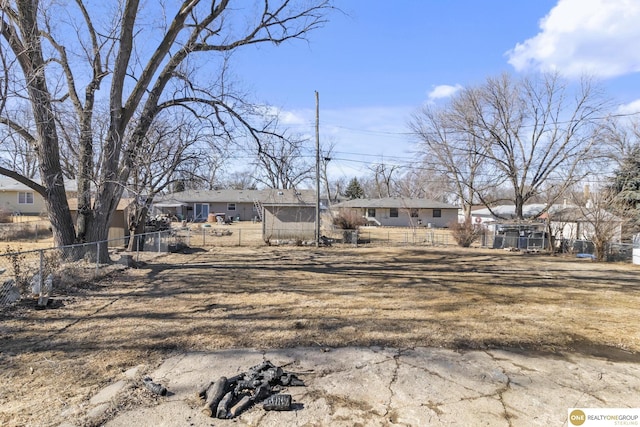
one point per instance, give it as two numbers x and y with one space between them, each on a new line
98 258
43 297
239 237
41 269
159 236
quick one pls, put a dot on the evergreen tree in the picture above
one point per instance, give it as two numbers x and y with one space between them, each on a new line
625 185
626 180
354 190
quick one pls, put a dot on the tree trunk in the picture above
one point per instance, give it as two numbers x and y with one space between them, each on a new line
519 207
32 64
85 171
98 226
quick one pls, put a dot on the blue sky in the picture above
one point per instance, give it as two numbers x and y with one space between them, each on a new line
376 62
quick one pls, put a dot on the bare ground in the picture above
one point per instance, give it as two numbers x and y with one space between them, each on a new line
52 361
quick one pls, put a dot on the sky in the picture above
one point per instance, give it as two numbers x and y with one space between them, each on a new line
374 63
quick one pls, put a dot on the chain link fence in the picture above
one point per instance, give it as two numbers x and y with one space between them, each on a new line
210 235
35 273
31 230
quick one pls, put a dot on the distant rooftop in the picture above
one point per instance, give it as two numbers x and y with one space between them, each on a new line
268 196
395 202
10 184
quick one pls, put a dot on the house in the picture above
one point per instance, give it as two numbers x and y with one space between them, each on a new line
233 205
285 214
18 199
402 212
576 223
202 205
508 212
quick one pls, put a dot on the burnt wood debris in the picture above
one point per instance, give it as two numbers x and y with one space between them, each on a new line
154 387
228 397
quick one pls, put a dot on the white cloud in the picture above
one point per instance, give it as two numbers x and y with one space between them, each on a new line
443 91
630 108
593 37
293 118
286 118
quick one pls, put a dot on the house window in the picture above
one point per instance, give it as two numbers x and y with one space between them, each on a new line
414 213
371 213
437 213
231 206
393 212
25 198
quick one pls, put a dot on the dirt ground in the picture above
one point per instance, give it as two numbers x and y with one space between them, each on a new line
52 361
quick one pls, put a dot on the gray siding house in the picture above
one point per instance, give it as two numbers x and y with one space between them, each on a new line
285 214
238 205
402 212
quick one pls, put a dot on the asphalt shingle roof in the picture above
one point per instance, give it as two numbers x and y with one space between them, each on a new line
395 202
269 196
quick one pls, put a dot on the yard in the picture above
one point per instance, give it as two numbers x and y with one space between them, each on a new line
54 360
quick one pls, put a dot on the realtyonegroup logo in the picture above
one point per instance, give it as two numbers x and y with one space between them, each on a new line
601 417
577 417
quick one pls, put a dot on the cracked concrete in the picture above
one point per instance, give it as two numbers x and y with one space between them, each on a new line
400 387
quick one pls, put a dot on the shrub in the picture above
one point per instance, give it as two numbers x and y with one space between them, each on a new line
465 233
348 220
17 264
5 216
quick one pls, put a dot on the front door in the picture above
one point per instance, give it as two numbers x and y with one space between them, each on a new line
201 211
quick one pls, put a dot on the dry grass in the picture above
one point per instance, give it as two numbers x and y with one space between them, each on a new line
53 360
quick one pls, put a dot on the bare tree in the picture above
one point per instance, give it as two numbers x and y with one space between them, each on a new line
66 56
528 134
597 222
382 175
452 150
207 170
17 147
536 133
240 180
326 152
621 137
170 145
425 182
280 162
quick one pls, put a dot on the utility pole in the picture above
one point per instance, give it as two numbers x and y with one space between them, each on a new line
317 170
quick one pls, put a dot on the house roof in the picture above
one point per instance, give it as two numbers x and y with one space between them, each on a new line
266 197
122 204
573 213
509 211
395 202
10 184
557 212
